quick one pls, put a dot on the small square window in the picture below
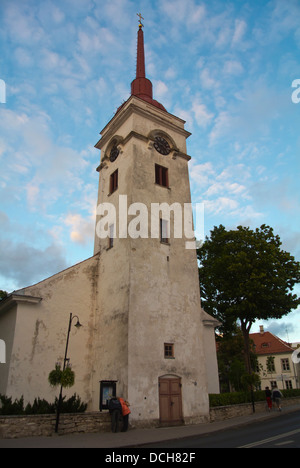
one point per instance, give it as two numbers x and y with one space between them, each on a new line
169 350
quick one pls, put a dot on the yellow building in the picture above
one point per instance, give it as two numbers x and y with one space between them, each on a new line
276 365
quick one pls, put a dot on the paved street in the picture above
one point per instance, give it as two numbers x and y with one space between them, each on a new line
282 432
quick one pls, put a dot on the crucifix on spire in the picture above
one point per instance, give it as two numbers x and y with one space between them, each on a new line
140 16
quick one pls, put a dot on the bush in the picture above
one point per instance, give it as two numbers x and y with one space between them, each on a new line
236 398
40 407
9 407
294 392
72 405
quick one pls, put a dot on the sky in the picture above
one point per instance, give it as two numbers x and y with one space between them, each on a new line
230 69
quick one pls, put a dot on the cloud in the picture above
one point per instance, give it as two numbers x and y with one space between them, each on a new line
240 28
160 89
257 109
82 229
24 264
234 188
202 115
282 19
23 261
225 192
221 205
207 81
277 193
54 169
21 24
287 328
202 174
233 67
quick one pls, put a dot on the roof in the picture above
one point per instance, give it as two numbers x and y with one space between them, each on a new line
15 298
141 86
266 343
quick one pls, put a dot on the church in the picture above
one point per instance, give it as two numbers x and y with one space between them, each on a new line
144 335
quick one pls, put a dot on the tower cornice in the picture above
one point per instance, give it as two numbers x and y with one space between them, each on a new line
143 109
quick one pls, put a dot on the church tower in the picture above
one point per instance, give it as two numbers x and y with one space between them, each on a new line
144 333
149 327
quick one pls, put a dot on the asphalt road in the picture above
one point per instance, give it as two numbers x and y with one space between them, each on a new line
281 432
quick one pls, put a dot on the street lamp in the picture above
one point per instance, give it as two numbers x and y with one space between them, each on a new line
66 359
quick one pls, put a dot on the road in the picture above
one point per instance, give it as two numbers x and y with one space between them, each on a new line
278 430
281 432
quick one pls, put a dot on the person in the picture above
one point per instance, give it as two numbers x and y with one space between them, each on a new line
125 413
115 410
268 398
276 397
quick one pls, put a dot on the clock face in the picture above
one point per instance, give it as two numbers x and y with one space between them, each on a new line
114 154
161 145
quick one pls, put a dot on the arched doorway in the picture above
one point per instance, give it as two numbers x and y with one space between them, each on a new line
170 400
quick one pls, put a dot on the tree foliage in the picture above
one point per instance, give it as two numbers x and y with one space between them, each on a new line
3 294
231 361
245 276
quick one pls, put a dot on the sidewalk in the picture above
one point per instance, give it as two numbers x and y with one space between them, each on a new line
138 437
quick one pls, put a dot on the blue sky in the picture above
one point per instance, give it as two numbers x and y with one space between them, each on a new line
226 67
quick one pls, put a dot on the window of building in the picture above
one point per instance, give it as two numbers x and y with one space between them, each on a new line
161 176
270 364
273 384
285 364
164 231
111 236
169 351
288 384
113 181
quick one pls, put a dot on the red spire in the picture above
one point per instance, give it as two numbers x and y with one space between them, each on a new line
141 86
140 64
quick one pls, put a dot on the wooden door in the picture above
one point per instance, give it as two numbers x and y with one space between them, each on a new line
170 401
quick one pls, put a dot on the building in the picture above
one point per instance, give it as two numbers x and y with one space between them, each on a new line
275 361
144 333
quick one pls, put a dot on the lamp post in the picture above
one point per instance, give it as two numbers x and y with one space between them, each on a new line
66 359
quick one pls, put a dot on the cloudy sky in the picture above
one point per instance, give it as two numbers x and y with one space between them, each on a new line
226 67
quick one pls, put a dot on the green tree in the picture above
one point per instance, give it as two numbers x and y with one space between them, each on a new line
3 294
231 361
245 276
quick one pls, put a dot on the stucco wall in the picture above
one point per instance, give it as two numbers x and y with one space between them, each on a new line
40 333
150 287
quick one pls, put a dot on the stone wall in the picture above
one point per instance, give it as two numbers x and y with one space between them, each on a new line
13 427
220 413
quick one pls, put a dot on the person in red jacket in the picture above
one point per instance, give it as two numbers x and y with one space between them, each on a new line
125 413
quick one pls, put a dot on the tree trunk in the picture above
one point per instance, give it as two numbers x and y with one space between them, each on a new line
246 332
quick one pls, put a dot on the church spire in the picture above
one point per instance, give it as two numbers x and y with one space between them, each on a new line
141 86
140 63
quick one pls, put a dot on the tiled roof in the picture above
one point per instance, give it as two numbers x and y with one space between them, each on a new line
267 343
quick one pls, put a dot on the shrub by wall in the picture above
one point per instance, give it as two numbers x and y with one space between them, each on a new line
40 406
236 398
